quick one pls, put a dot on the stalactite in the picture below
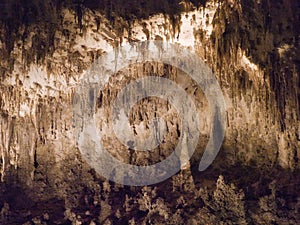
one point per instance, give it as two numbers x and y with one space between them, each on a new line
37 86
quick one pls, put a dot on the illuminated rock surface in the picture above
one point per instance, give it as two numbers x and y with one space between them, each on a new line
251 46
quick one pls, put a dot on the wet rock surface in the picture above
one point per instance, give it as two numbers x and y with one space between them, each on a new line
251 46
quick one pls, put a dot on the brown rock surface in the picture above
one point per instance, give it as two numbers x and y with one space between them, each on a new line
251 46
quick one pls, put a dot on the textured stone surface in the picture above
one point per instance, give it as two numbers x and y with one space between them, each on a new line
253 49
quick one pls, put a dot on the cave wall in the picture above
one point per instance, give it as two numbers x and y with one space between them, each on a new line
254 55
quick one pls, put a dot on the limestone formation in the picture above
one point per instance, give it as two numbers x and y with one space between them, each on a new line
252 46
